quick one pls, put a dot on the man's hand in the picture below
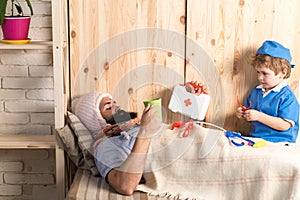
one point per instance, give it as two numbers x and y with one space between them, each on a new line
150 122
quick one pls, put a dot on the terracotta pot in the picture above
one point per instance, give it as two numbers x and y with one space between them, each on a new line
16 28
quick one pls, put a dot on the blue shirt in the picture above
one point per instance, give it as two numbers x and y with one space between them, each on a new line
113 151
279 102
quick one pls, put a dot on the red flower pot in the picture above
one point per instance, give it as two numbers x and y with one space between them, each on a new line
16 28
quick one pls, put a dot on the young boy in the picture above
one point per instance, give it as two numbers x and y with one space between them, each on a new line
273 108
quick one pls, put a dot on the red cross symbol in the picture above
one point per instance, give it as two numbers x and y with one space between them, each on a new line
187 102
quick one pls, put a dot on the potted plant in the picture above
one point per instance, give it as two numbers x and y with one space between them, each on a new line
15 26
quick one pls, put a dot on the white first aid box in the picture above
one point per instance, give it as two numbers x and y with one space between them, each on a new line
189 104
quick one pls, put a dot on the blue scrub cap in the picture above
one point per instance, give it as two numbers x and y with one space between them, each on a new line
275 49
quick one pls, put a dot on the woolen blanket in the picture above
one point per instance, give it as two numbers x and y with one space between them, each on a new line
205 165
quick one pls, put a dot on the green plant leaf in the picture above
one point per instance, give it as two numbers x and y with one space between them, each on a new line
19 9
3 4
30 7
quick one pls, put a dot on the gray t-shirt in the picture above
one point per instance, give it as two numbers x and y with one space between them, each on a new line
112 152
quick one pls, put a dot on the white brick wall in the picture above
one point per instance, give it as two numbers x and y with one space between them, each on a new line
26 92
27 174
27 107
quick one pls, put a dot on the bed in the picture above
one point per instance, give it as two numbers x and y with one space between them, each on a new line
83 179
87 186
211 168
142 55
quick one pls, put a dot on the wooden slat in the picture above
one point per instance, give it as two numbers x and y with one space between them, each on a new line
61 86
27 141
60 171
60 60
32 45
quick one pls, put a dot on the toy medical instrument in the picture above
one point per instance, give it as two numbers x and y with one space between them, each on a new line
232 135
199 87
243 107
189 104
258 144
187 129
196 107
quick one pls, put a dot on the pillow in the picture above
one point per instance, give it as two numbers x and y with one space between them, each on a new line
85 142
69 142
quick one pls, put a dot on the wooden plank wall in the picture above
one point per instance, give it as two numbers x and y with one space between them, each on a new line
111 49
136 49
230 32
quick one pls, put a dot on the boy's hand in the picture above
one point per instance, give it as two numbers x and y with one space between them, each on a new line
239 113
251 115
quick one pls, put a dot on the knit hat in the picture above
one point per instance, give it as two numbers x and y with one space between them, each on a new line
275 49
87 110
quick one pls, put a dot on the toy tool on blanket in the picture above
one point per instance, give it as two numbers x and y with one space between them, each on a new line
195 106
234 138
189 104
233 135
189 125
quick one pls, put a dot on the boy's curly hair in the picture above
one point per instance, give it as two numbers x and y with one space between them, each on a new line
275 64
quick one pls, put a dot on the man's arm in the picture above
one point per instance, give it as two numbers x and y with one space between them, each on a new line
126 178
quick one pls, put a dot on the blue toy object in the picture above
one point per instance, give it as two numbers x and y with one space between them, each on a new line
232 135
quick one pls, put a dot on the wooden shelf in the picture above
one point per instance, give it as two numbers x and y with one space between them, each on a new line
34 44
27 141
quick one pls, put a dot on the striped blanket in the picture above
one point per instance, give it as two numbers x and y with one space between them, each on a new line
207 166
88 187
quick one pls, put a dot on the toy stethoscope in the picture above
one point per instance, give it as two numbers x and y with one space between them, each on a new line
229 134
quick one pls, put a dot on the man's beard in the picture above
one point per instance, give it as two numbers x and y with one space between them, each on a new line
122 116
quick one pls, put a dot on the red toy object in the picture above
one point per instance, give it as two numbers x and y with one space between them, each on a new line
243 107
187 130
177 124
200 87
